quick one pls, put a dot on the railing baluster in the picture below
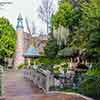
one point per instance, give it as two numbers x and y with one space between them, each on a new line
39 77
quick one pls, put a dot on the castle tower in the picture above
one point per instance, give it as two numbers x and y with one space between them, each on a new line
19 59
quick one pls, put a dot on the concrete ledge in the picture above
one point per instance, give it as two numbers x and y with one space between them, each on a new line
70 93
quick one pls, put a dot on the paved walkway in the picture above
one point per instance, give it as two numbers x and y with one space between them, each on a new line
17 88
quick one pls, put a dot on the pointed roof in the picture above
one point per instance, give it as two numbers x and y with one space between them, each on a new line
19 21
20 17
31 52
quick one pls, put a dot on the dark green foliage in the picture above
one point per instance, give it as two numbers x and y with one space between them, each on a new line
51 48
91 87
68 52
47 60
47 63
93 47
94 41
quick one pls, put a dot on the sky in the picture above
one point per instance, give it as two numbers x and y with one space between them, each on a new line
28 8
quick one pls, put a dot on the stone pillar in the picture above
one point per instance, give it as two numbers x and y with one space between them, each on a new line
19 59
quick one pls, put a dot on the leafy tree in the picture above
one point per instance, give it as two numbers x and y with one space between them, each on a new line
7 39
83 24
64 15
68 17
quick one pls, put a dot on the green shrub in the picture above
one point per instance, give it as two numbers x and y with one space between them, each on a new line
21 66
60 67
91 87
44 60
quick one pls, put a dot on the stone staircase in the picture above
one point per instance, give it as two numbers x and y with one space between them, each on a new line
18 88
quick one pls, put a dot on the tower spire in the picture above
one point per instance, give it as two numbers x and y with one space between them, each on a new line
19 21
19 59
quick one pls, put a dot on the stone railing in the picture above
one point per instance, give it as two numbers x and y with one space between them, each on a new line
41 78
1 83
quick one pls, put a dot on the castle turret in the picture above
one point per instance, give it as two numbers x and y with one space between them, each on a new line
19 59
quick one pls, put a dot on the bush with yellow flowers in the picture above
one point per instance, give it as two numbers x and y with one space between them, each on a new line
60 68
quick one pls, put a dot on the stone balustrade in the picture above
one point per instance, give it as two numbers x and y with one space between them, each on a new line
1 83
43 79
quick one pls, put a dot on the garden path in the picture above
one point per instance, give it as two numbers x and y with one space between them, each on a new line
17 88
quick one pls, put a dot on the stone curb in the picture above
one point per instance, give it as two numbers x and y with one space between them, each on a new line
70 93
2 97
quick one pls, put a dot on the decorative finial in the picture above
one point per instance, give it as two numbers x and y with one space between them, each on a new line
20 16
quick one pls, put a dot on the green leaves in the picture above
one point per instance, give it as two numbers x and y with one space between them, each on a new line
7 38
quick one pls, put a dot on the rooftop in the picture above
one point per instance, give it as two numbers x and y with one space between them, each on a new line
31 52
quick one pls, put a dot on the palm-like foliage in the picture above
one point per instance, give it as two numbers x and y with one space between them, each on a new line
61 35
